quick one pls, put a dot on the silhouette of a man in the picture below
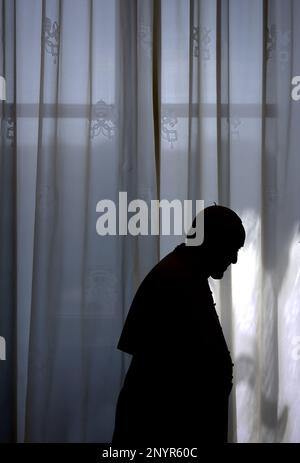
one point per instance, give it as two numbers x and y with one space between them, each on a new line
177 386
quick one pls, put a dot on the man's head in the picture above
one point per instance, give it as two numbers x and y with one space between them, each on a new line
224 235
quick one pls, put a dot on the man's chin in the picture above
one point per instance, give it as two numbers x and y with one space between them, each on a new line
217 275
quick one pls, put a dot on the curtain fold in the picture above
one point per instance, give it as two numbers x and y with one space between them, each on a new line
82 284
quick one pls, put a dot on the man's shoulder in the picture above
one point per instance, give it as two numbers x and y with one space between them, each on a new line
170 267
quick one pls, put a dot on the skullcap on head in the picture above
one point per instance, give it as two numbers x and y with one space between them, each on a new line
218 221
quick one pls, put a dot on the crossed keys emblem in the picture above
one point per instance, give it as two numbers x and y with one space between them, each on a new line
51 37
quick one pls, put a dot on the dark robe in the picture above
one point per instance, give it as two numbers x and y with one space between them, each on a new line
177 386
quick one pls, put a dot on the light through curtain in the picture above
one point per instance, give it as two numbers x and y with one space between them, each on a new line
162 99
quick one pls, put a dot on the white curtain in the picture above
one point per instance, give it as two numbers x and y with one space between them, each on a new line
162 99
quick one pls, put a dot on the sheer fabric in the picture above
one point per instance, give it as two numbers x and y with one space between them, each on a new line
185 99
